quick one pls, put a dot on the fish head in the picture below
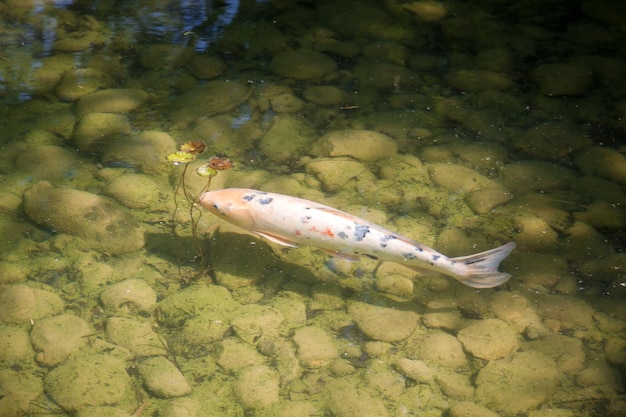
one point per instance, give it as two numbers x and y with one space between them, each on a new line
229 204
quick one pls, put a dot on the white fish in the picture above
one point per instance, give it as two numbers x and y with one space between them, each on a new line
294 221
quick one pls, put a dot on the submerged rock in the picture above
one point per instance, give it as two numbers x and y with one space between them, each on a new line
257 387
302 64
104 225
144 151
56 338
80 382
21 303
517 384
212 98
489 339
365 145
383 324
113 100
162 378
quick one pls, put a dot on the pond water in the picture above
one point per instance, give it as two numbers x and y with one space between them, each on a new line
460 125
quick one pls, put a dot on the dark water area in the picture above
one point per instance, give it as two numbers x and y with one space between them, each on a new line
462 125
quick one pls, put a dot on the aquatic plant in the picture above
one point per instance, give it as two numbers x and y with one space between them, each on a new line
188 153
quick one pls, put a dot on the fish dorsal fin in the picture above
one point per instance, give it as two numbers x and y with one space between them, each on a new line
276 239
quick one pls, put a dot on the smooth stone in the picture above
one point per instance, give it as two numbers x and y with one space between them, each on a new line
455 385
563 79
324 95
458 178
226 134
46 161
49 72
209 99
114 100
57 337
237 355
386 76
603 162
79 82
162 378
145 151
102 411
213 300
260 39
415 369
102 224
94 129
251 321
338 174
131 295
286 103
60 122
478 80
181 407
570 311
364 145
163 56
426 10
135 335
438 348
489 339
20 304
603 216
302 64
593 188
483 201
316 347
15 346
395 280
207 67
257 387
383 324
470 409
567 352
538 270
287 138
552 141
78 382
19 391
348 400
496 60
136 191
524 176
517 384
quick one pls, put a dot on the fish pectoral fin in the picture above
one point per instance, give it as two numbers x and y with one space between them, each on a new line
276 239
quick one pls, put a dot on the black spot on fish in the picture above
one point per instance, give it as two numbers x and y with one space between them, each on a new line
305 219
342 235
360 232
435 257
417 248
408 256
385 239
249 197
265 201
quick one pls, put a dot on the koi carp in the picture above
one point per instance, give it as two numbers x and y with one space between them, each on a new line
292 221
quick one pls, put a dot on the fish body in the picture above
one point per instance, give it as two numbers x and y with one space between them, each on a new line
293 221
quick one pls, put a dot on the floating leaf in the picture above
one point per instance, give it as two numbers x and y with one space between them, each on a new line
194 146
180 157
220 164
206 171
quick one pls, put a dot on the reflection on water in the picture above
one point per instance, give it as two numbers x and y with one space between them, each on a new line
462 126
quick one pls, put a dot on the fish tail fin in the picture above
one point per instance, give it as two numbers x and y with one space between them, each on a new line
481 269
